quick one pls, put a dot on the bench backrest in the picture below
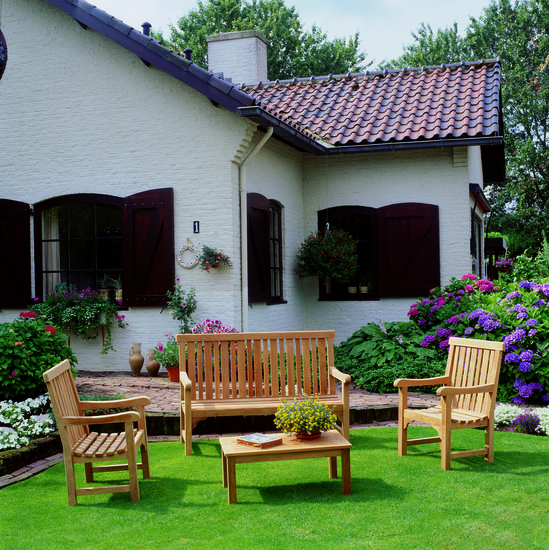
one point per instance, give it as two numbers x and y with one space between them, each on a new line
258 364
474 362
64 401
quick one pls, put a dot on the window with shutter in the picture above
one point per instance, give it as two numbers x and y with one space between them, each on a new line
100 241
398 248
15 249
148 266
264 249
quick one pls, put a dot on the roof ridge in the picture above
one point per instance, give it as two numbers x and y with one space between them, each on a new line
384 72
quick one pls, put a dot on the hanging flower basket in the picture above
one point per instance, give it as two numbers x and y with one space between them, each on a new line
329 256
211 258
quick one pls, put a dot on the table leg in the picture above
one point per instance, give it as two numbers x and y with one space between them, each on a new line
231 478
224 465
333 467
346 471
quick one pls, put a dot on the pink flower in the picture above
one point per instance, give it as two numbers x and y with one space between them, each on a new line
50 329
14 374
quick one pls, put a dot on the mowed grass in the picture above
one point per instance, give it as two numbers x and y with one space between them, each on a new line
397 502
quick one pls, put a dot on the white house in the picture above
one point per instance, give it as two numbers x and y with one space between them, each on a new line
119 154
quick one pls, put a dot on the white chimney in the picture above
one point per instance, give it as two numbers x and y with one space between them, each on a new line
240 56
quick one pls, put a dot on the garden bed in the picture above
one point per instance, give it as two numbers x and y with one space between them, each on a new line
38 449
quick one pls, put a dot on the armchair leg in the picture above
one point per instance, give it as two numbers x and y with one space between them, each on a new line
402 439
489 442
71 481
145 460
445 448
88 469
187 434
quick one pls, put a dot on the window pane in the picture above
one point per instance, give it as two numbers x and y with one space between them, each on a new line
108 220
54 223
109 254
81 280
81 255
81 222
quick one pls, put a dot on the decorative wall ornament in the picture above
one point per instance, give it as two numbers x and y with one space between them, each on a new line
189 255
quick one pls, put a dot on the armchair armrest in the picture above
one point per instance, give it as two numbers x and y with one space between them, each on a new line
345 379
117 403
449 390
185 381
411 382
129 416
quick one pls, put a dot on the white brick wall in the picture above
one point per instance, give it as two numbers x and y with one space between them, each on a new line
81 114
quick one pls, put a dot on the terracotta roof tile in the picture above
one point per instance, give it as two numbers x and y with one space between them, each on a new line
443 102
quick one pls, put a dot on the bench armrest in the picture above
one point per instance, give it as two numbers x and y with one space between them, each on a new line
449 390
345 379
129 416
117 403
410 382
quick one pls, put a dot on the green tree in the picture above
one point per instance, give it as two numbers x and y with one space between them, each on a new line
518 32
291 50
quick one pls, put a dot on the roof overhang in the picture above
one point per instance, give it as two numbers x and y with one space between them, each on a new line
293 136
480 198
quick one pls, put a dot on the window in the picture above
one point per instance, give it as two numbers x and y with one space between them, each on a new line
78 242
476 244
3 54
264 250
398 248
85 238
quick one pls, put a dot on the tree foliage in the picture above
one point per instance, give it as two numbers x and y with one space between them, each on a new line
291 50
518 32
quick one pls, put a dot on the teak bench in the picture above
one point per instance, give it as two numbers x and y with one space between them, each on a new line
251 373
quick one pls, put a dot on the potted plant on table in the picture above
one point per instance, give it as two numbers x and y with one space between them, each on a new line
168 356
329 255
305 417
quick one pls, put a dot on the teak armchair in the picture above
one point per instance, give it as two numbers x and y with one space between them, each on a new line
81 445
468 398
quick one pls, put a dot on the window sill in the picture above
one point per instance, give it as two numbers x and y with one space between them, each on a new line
349 298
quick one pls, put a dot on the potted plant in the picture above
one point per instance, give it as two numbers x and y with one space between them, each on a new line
364 284
83 312
168 356
103 285
305 417
117 285
211 258
182 305
329 255
505 264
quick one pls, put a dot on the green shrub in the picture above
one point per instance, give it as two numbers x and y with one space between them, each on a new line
102 397
29 347
375 356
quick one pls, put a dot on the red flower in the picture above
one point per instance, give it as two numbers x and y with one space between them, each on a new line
49 328
27 314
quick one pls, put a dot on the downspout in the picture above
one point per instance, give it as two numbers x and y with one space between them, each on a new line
244 228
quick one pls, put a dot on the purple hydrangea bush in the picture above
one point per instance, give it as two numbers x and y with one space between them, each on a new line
516 314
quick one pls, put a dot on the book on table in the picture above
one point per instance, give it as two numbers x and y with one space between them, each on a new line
260 440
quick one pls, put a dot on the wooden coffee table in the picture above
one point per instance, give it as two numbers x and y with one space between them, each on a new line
330 444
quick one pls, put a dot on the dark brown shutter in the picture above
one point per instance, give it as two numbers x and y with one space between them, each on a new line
409 256
258 248
15 275
148 243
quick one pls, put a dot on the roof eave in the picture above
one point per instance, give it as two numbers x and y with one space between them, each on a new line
152 52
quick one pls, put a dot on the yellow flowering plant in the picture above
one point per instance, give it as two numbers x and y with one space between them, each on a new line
304 416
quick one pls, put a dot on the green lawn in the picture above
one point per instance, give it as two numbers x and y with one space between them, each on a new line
397 502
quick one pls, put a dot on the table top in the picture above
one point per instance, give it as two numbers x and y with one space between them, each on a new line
328 440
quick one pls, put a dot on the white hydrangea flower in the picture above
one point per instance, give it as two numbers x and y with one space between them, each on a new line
505 413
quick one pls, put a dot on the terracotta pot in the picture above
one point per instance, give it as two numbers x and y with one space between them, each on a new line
153 366
136 359
173 373
314 435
